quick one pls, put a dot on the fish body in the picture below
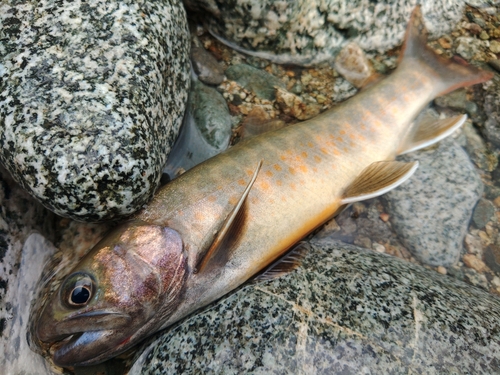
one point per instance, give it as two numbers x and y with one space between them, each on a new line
214 227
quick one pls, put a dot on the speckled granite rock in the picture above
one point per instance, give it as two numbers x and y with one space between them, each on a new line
344 311
491 129
432 210
20 270
308 32
92 95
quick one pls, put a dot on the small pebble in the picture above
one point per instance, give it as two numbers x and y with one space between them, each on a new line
384 217
484 35
442 270
495 46
206 66
483 213
445 42
471 261
473 244
378 247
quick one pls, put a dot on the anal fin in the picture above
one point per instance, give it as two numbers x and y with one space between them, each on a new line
377 179
430 131
219 240
287 263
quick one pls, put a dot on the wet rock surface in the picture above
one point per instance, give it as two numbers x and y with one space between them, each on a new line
343 311
92 98
444 190
20 270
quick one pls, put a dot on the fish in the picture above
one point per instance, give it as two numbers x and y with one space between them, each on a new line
221 223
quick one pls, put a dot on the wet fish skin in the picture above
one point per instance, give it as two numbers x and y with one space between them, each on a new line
147 272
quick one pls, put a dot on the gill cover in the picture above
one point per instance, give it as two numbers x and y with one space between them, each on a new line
117 295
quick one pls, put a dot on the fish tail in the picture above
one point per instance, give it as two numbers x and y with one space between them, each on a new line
451 74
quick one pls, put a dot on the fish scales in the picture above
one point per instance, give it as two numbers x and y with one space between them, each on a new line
211 229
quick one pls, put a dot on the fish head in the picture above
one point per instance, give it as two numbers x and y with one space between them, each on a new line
117 295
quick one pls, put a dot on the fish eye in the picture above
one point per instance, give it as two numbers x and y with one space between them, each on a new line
78 289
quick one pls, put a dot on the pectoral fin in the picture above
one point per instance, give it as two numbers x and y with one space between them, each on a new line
429 131
221 235
377 179
287 263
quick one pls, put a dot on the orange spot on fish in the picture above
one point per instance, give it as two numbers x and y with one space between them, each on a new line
277 167
340 139
198 216
242 182
352 136
303 168
283 157
269 174
310 144
336 152
304 154
233 201
342 132
324 150
212 198
291 170
279 182
264 185
317 159
293 186
315 170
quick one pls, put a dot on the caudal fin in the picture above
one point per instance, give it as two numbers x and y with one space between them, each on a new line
452 73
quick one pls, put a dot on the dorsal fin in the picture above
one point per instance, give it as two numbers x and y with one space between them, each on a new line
287 263
225 227
429 131
377 179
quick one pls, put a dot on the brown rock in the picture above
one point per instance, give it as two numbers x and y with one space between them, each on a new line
474 262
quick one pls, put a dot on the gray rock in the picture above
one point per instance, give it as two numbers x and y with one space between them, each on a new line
206 66
483 213
475 146
309 32
457 100
344 311
260 82
468 47
92 98
431 211
206 130
20 269
492 109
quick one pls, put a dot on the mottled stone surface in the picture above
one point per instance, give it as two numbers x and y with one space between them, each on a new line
491 130
206 129
91 99
308 32
345 310
259 81
19 273
431 211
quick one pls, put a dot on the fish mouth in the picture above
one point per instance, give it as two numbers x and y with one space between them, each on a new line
82 348
85 338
